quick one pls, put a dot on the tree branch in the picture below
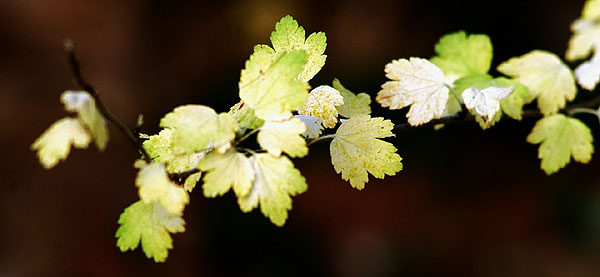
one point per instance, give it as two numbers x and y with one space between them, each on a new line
81 82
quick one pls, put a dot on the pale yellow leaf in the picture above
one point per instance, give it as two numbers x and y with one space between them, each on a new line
415 82
55 143
154 185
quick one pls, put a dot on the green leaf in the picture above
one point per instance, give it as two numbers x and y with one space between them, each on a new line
276 180
513 104
356 150
151 224
560 138
245 116
547 77
289 36
198 128
158 148
270 86
459 55
354 104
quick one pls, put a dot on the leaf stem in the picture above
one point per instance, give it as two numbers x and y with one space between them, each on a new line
244 137
583 110
321 139
455 96
81 82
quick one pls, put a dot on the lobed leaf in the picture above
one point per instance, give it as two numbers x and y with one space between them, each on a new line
560 138
356 150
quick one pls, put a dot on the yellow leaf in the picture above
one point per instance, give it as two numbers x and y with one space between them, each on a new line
284 136
354 104
231 169
356 150
322 102
154 185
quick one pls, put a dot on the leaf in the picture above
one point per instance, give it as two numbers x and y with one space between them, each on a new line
513 104
55 143
322 102
588 73
549 80
151 224
269 84
245 116
353 104
288 36
197 128
276 180
415 82
84 105
459 55
158 148
485 102
591 10
154 185
356 150
284 136
560 138
586 37
224 171
313 124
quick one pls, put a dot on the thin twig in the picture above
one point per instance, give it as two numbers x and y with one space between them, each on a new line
180 177
80 81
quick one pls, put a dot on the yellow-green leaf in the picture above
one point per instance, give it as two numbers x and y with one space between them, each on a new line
197 128
270 85
158 148
150 224
548 78
276 181
245 116
354 104
560 138
356 150
459 55
289 36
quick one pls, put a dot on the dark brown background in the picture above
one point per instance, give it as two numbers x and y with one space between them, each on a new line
468 203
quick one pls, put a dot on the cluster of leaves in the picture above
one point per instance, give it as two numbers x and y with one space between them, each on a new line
458 77
280 111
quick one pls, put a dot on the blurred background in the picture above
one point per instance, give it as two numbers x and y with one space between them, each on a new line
468 202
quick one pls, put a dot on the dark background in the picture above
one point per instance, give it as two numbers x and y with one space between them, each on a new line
468 202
